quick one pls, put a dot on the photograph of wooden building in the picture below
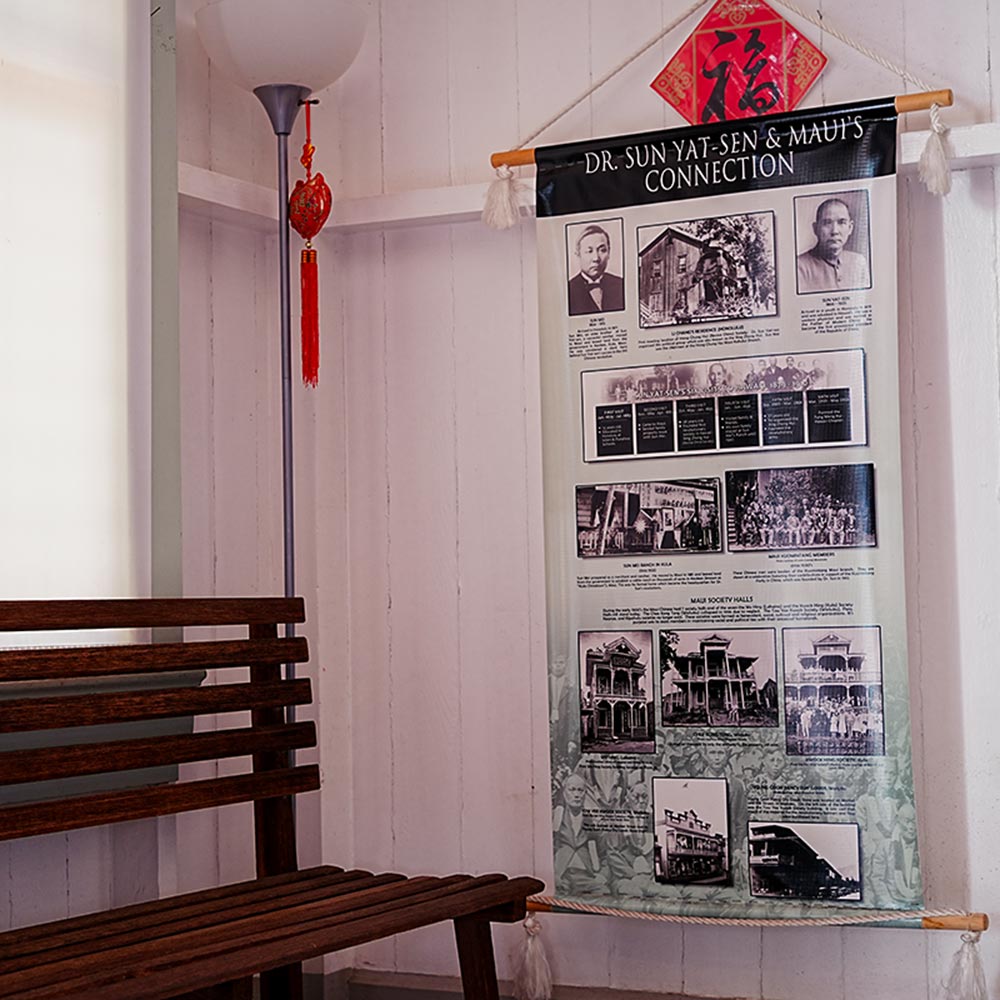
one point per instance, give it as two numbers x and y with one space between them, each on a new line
690 821
805 861
648 518
707 269
718 679
833 691
616 705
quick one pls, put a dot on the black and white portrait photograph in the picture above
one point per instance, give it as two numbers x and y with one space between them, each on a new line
675 516
833 691
719 268
805 861
832 242
616 692
824 506
690 831
594 258
718 677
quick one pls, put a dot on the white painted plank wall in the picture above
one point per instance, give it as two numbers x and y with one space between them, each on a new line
843 962
425 480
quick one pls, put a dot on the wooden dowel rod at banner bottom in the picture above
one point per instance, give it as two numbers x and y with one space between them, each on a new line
904 104
952 922
965 922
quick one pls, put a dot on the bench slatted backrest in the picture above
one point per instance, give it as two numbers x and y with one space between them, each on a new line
268 741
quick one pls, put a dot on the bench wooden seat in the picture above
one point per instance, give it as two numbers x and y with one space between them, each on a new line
209 943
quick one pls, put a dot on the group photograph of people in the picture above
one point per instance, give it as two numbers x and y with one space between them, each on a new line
726 376
818 507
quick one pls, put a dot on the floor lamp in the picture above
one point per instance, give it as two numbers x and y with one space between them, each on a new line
283 51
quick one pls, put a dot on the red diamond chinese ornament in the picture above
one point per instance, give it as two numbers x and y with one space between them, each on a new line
308 209
743 60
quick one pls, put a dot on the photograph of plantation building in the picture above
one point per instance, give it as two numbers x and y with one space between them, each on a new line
833 692
805 861
707 269
616 705
690 820
718 679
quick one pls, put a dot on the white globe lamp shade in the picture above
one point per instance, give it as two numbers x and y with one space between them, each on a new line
308 43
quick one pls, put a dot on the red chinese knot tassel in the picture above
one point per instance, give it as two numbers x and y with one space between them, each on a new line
308 208
310 318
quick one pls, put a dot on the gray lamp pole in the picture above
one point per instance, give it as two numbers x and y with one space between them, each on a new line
282 102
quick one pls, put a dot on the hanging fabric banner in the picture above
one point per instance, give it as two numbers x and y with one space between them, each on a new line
723 514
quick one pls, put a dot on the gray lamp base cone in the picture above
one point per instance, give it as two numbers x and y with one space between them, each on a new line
281 102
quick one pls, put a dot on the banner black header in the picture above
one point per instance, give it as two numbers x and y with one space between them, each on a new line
813 146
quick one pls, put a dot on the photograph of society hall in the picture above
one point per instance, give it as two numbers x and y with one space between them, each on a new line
160 444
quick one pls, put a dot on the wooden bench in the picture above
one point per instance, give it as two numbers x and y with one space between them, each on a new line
209 943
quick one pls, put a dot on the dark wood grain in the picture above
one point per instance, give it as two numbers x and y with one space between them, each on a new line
204 945
274 820
381 900
474 938
28 714
141 803
220 897
98 661
285 902
30 616
185 965
275 843
18 766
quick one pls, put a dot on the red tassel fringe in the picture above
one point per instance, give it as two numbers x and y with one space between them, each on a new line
310 319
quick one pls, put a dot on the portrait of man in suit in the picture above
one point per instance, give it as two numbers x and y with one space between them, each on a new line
594 289
838 257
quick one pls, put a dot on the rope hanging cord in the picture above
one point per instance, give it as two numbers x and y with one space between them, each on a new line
944 919
522 156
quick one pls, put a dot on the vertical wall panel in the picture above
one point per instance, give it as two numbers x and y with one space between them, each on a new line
796 961
949 47
193 136
933 562
626 103
721 960
425 680
425 676
848 76
494 655
349 121
482 95
629 956
553 67
890 965
367 651
39 887
416 124
197 833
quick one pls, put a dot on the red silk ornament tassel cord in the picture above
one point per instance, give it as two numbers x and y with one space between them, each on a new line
308 208
310 318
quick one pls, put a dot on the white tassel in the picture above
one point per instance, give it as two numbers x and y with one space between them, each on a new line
967 980
934 168
533 979
501 209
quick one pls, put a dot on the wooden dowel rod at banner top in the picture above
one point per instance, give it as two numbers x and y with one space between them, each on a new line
904 103
923 100
951 922
513 158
